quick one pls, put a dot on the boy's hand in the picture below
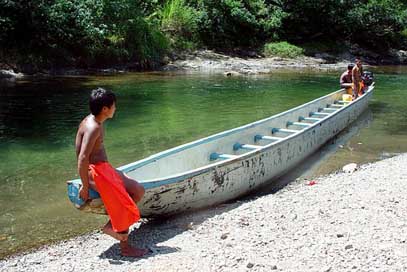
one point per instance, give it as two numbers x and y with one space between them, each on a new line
84 193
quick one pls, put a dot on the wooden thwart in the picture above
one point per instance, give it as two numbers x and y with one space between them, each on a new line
238 146
284 130
298 124
319 113
214 156
267 138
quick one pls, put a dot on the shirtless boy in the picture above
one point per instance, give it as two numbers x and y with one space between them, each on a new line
357 78
119 193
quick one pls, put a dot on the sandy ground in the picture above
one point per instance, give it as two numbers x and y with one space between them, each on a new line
345 222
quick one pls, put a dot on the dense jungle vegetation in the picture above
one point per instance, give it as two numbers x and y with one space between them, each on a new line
96 33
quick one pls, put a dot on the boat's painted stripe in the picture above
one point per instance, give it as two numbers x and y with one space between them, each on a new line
188 174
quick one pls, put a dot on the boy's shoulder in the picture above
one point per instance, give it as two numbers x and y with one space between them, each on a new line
89 124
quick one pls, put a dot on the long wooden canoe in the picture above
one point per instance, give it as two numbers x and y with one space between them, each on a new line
232 163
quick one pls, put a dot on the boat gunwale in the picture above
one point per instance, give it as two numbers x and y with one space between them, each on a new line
152 183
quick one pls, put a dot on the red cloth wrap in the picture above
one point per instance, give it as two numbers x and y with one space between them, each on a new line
121 208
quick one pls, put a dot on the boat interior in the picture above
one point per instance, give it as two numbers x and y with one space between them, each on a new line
231 144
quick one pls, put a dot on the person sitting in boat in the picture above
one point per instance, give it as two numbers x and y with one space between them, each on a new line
357 81
346 79
119 193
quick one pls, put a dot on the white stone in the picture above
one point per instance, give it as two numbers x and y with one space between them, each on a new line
350 168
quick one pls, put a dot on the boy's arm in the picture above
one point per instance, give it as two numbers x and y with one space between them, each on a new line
88 142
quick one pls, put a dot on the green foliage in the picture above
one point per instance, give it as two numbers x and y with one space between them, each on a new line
80 32
377 23
314 47
130 37
311 19
282 49
180 22
374 24
230 23
54 33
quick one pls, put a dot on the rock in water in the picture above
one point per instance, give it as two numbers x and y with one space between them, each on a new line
231 73
350 168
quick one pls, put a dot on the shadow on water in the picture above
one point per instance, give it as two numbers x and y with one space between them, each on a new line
158 230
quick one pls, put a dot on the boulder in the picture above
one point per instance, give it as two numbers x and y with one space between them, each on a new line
9 74
350 168
231 73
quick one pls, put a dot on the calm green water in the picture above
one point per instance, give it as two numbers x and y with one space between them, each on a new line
38 122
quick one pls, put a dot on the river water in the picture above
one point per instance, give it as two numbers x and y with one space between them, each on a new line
39 118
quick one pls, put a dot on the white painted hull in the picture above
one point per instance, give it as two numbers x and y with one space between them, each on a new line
184 178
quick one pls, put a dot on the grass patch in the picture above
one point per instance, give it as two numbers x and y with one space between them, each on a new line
282 49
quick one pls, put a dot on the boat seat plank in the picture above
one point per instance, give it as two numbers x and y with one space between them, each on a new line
319 113
328 109
298 124
342 102
275 130
335 105
268 138
238 146
214 156
313 119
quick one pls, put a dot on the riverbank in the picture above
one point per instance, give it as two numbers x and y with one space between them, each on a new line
345 221
208 61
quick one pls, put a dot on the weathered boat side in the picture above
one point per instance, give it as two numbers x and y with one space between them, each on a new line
184 178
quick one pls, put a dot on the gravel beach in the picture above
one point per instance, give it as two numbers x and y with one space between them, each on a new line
344 222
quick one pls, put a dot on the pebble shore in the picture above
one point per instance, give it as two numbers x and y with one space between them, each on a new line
340 222
207 61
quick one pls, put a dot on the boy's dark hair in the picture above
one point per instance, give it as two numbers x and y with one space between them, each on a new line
100 98
350 66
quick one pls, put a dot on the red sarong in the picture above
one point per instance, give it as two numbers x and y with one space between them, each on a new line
121 208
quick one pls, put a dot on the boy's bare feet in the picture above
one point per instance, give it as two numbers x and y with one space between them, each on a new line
129 251
107 229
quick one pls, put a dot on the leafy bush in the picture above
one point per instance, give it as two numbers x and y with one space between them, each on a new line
282 49
377 24
230 23
331 46
180 22
80 32
311 19
53 33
